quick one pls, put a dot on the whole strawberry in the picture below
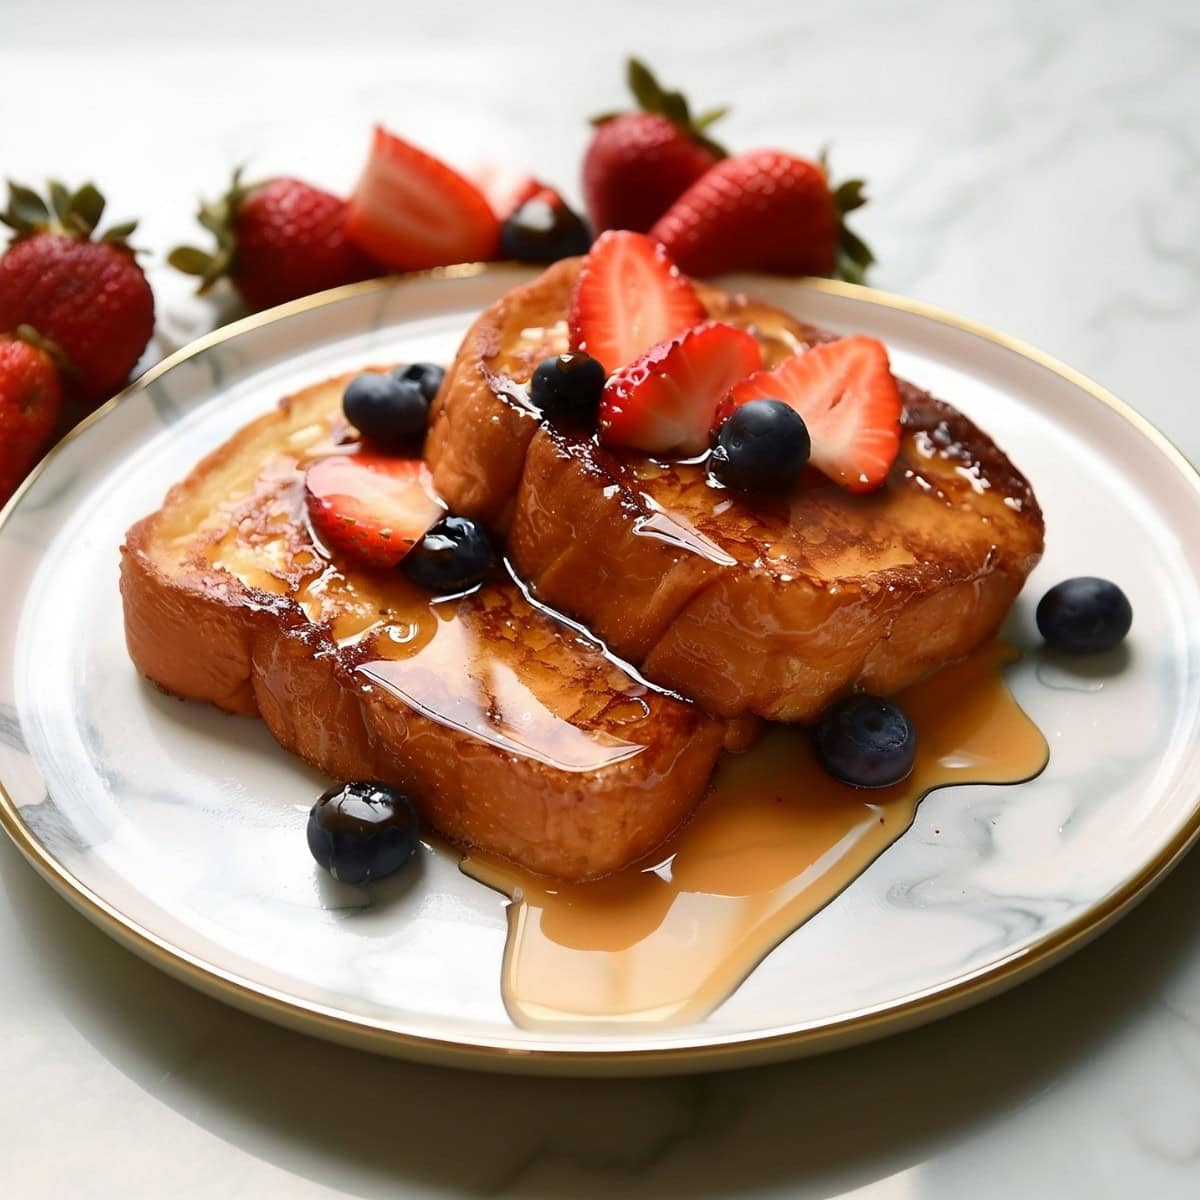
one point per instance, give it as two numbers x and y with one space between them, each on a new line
30 399
85 294
275 241
766 211
639 162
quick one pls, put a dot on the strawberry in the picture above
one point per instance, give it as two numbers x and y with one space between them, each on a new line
638 163
275 241
30 399
370 507
411 211
88 297
629 296
667 400
849 400
505 189
766 211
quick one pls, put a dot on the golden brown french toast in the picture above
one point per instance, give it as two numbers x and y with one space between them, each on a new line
513 731
770 607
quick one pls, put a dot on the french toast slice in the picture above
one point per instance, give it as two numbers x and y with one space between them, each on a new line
514 732
771 608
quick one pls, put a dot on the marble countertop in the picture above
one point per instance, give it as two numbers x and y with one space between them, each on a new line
1033 165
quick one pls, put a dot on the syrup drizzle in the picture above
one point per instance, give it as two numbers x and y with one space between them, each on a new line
774 842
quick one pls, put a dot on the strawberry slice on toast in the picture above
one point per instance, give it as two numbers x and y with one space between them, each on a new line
629 297
369 507
848 397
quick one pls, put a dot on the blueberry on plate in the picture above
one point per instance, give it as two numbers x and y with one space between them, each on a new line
362 830
761 447
1084 615
454 556
568 388
427 376
386 410
543 230
866 741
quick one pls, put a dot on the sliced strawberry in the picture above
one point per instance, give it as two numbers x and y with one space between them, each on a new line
506 189
411 211
370 507
629 296
849 400
666 401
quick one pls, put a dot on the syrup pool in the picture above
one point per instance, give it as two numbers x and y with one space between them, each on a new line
774 842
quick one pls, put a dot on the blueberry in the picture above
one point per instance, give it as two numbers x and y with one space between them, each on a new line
762 447
362 830
866 741
427 376
543 231
568 388
454 556
386 410
1084 615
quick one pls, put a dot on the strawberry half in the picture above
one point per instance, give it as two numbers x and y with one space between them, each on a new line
629 296
666 401
370 507
849 400
411 211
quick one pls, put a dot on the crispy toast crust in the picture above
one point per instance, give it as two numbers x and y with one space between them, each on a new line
515 732
769 608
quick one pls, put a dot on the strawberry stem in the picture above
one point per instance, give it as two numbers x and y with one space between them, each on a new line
854 256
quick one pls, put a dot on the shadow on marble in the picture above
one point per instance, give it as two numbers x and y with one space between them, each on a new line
366 1124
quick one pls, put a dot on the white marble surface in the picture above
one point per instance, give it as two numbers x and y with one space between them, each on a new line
1035 165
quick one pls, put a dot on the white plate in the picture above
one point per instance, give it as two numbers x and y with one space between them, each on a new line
180 831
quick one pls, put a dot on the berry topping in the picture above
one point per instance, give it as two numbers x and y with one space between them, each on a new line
866 742
849 400
568 388
1084 615
454 556
276 240
428 377
629 297
542 229
410 210
389 410
370 508
766 211
363 830
639 162
666 401
761 448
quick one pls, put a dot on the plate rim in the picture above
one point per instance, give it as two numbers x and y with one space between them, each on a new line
487 1054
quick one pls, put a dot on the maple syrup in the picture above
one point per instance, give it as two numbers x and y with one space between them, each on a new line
775 841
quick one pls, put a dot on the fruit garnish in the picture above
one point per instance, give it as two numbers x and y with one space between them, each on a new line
568 387
766 211
363 830
666 401
275 240
428 377
638 163
629 297
1084 615
454 556
30 400
370 507
761 448
79 289
849 400
387 409
866 742
410 210
542 228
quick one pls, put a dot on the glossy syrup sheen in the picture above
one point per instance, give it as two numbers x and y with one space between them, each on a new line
774 842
